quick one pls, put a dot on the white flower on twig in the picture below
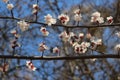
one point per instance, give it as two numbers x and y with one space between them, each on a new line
63 18
30 65
10 6
50 20
23 25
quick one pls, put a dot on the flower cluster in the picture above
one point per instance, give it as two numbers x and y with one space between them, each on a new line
35 8
49 19
23 25
30 65
81 48
44 31
63 18
42 47
96 17
78 43
77 16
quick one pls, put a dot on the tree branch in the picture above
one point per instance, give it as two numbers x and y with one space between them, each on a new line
67 26
60 57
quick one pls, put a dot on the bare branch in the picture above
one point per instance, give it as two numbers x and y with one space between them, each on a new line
66 26
59 57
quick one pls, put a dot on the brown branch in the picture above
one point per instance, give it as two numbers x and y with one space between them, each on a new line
67 26
59 57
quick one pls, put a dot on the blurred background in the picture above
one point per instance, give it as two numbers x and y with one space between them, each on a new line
89 69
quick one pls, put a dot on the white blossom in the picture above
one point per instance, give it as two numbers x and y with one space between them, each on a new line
63 18
50 20
56 50
44 31
35 6
42 47
96 17
23 25
110 19
10 6
30 65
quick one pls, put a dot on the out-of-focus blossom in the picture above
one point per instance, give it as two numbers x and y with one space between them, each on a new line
77 17
4 67
44 31
117 47
81 35
77 11
110 19
63 18
117 34
96 18
13 31
88 36
56 50
35 6
50 20
23 25
42 47
30 65
10 6
6 1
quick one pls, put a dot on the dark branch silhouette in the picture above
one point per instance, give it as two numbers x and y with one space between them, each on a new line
59 57
67 26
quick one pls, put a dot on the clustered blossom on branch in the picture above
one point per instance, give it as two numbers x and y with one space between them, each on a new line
23 25
30 65
4 67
